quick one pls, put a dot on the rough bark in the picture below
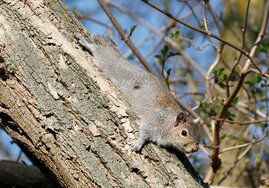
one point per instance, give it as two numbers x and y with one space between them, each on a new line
60 108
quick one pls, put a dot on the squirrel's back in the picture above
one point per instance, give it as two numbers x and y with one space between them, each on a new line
140 88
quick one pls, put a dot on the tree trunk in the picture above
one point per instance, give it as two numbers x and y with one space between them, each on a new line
60 108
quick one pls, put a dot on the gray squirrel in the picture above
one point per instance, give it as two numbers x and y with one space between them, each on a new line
160 119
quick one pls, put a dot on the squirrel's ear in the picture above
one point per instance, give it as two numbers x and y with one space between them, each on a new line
181 118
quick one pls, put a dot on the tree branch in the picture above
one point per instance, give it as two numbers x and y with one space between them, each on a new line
125 37
223 114
209 34
243 122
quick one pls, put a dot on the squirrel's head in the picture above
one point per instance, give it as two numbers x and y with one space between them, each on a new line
185 133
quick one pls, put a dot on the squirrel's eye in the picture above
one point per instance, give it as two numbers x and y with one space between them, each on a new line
184 133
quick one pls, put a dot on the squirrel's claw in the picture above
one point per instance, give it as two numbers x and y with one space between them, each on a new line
137 145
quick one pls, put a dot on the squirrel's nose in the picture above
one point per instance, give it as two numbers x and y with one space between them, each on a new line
196 148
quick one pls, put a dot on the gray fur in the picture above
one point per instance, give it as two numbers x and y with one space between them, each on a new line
155 107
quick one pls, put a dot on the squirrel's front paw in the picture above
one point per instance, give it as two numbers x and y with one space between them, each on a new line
137 145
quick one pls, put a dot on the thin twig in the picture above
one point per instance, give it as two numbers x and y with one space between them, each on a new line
186 93
193 12
243 145
209 34
243 122
249 145
222 115
242 46
170 41
79 15
139 44
234 164
203 148
214 16
124 36
264 74
243 107
259 38
212 67
208 77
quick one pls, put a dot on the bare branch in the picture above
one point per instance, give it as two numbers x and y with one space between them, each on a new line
124 36
243 145
222 115
259 38
242 46
207 33
234 164
170 41
214 16
243 122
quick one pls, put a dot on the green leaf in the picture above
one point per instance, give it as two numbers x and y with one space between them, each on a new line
230 116
171 54
262 108
235 100
158 57
175 34
202 22
218 71
264 46
233 77
132 29
180 72
223 78
220 77
169 72
164 50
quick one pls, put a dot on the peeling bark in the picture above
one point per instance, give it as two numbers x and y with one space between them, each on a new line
61 109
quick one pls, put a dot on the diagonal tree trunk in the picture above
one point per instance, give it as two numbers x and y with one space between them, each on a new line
60 108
